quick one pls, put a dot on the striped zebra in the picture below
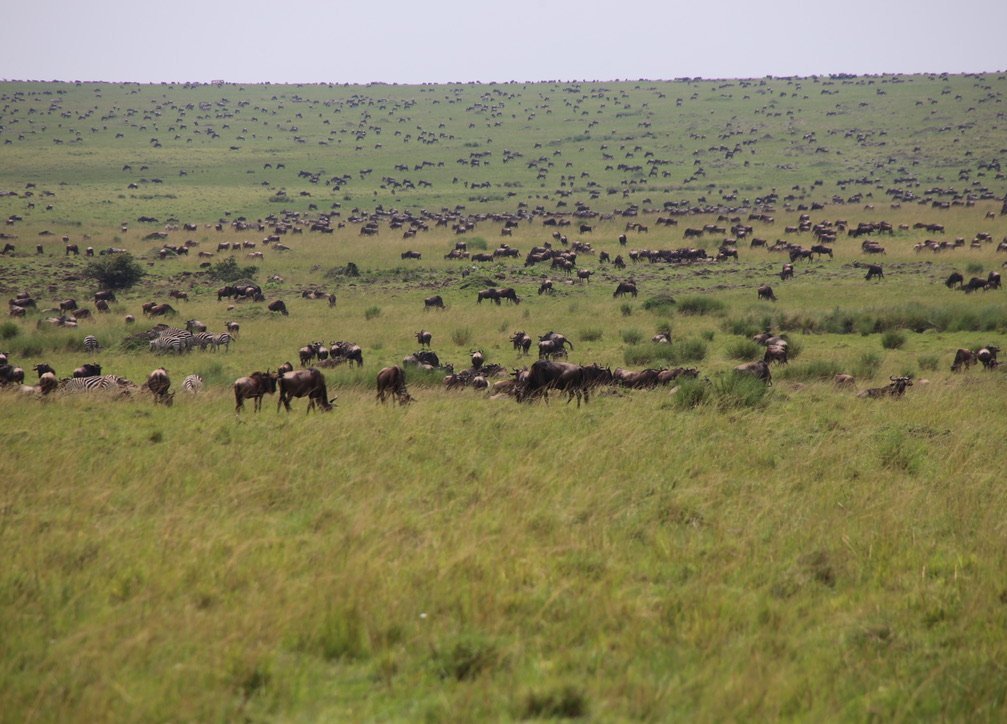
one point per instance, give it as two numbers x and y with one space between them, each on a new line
172 340
91 343
98 383
202 340
222 339
193 384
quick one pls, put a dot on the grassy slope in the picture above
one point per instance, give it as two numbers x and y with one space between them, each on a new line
816 555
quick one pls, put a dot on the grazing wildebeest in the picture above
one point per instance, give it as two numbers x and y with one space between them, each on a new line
434 302
71 249
625 288
105 294
424 338
759 370
253 387
787 272
896 388
545 287
766 292
194 325
278 306
67 305
160 309
821 249
963 358
993 280
874 270
158 383
308 383
178 294
411 255
392 381
102 306
16 311
954 278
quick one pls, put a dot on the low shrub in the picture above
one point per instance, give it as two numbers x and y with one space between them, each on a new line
462 336
744 349
892 339
626 309
372 313
632 336
867 366
700 306
808 371
563 703
928 362
659 303
9 330
590 335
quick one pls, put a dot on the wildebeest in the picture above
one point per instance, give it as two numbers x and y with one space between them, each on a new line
775 353
67 305
545 287
194 325
232 328
954 278
424 338
844 380
102 306
392 381
159 310
89 369
477 359
766 292
546 375
411 255
758 369
874 271
105 294
521 341
308 383
987 356
158 383
963 358
787 272
278 306
253 387
896 388
625 288
993 280
434 302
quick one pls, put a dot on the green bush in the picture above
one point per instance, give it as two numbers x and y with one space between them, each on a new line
590 335
734 390
659 303
626 309
868 365
700 306
814 370
744 349
461 336
372 312
9 330
464 658
691 393
117 271
974 267
928 362
563 703
632 336
892 339
229 270
678 352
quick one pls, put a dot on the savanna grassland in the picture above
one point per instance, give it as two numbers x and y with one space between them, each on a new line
719 551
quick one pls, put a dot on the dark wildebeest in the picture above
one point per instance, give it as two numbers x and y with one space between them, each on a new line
102 306
874 270
993 280
507 293
545 287
787 272
424 338
71 249
434 302
278 306
411 255
521 341
559 339
392 381
896 388
67 305
759 370
821 249
228 291
766 292
963 358
665 377
490 294
477 358
158 383
105 294
625 288
90 369
955 278
643 379
550 348
308 383
988 357
194 325
160 309
253 387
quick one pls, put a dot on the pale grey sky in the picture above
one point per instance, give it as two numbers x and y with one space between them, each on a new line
489 40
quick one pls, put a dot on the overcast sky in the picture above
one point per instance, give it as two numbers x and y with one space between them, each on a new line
446 40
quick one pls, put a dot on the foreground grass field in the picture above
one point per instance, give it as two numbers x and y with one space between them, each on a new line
719 552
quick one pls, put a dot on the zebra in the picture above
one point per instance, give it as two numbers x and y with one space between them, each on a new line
202 339
91 343
221 339
174 340
98 383
192 384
